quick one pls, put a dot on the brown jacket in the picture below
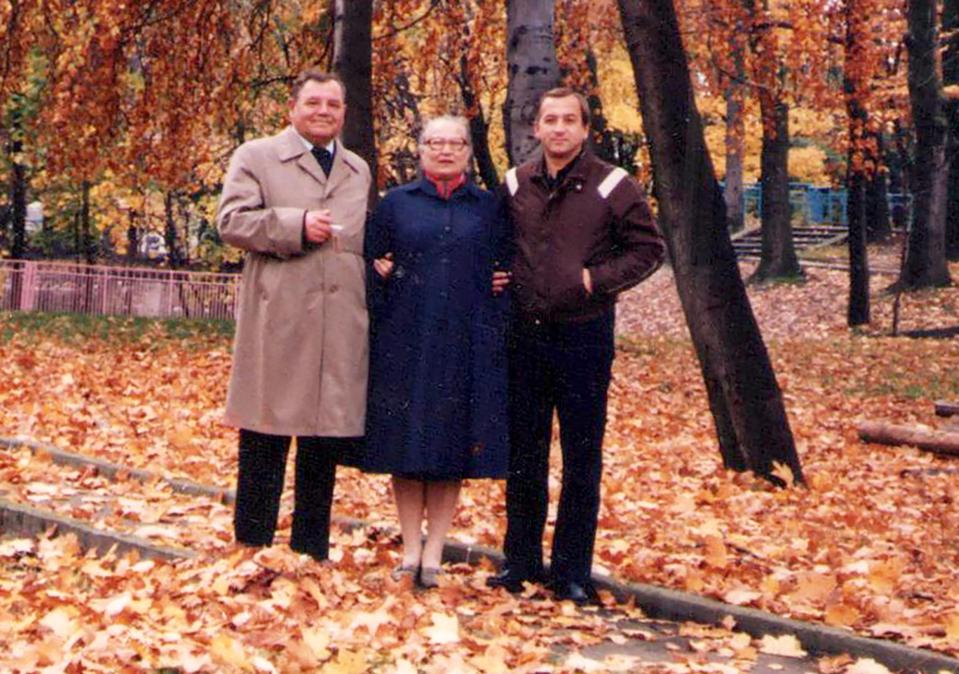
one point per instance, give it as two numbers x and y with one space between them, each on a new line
597 218
300 354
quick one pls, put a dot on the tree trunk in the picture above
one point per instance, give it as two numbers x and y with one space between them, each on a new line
733 193
878 224
601 139
18 209
169 231
950 76
778 258
479 129
941 442
857 166
952 189
858 309
532 69
900 175
353 62
86 226
744 397
735 133
926 259
133 236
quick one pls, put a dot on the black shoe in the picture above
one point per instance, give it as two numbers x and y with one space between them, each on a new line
581 594
320 553
512 580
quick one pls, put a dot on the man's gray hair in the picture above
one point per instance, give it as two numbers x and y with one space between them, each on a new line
461 121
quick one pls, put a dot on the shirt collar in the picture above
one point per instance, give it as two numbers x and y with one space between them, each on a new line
330 147
563 173
445 188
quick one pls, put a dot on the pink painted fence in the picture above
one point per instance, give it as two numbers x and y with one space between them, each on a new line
124 291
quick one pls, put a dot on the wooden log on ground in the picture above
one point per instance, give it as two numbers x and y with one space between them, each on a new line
944 408
941 442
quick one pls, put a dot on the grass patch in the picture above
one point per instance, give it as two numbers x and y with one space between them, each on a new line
74 328
772 281
836 253
912 386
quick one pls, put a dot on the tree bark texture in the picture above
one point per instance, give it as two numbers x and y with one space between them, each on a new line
899 161
778 257
353 62
601 138
479 128
857 175
858 307
86 225
878 223
952 188
926 258
733 193
950 76
744 396
532 69
18 210
941 442
169 232
735 132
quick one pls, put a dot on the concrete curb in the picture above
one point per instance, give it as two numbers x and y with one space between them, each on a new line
667 604
111 470
656 602
21 519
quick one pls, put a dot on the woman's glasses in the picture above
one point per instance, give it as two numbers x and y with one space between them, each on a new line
455 144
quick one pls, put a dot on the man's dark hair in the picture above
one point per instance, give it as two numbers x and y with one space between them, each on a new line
315 75
564 92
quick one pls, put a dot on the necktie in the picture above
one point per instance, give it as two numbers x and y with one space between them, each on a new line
324 158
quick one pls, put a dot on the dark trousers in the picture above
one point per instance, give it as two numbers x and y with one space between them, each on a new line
260 486
566 367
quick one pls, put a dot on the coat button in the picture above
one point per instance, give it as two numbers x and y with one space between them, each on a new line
334 288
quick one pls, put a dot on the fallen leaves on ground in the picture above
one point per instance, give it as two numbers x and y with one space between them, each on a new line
869 545
260 611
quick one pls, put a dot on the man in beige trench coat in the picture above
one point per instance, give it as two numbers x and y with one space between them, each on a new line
296 203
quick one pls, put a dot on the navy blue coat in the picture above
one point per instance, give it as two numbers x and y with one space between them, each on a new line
437 397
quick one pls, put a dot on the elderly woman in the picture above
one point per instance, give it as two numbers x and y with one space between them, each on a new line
436 411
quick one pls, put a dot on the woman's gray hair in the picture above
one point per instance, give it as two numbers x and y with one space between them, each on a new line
455 119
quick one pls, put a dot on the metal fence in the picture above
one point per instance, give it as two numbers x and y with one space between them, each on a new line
818 205
123 291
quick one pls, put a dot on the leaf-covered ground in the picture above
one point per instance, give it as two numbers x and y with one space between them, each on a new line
869 545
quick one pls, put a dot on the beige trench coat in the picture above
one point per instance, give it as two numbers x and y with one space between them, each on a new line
300 356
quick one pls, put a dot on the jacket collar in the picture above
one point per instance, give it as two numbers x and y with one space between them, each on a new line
574 173
291 148
426 186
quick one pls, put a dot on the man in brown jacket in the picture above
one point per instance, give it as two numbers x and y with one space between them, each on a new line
583 233
296 203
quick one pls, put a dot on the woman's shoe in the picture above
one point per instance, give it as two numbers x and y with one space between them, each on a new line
402 571
429 576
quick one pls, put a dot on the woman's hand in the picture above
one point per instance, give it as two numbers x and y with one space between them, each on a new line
384 265
501 279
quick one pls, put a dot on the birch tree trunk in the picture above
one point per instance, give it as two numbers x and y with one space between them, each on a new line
532 68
